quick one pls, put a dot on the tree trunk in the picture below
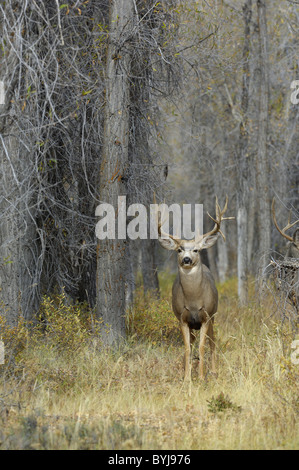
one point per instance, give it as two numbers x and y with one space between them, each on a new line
244 167
222 264
132 250
149 267
111 259
242 227
262 164
212 253
251 231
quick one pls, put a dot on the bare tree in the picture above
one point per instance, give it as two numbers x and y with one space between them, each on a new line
111 259
262 160
139 68
50 144
244 164
19 252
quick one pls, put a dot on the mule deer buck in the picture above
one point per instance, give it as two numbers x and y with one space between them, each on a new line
288 269
194 294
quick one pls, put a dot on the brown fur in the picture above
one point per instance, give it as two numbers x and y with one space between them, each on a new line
194 294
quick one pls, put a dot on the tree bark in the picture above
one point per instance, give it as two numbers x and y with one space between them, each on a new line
244 167
262 164
149 267
222 263
111 259
251 231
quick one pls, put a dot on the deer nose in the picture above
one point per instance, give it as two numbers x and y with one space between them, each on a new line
187 260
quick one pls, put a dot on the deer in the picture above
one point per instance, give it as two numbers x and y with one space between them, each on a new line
194 293
288 274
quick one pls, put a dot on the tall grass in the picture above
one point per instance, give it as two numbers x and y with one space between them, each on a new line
60 390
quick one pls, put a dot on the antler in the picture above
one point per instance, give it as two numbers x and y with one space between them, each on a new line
287 227
218 220
161 233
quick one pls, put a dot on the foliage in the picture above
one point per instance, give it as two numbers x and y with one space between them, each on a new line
221 403
66 326
14 338
152 319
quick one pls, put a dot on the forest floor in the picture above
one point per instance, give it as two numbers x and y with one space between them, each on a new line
59 391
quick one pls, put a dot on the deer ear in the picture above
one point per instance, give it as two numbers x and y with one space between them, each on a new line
208 241
168 243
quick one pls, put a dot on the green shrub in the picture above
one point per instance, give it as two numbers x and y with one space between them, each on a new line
221 403
152 319
64 326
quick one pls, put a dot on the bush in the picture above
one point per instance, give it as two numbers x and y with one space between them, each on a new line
64 326
15 340
221 403
152 319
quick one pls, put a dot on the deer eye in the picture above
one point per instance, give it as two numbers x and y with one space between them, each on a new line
195 251
179 250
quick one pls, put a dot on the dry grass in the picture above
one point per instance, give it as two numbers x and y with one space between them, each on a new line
57 397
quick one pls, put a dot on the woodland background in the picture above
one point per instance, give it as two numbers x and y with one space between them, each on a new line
200 105
185 99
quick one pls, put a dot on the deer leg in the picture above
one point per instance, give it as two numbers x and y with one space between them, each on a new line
202 339
186 337
212 347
